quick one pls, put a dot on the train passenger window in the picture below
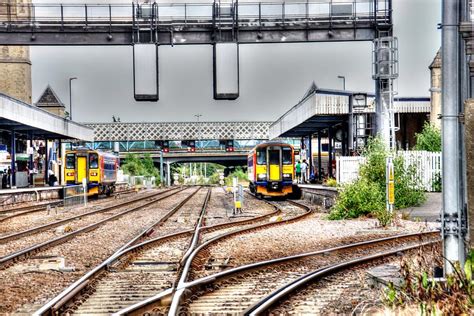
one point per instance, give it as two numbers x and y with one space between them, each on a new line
286 153
93 161
274 157
70 161
261 157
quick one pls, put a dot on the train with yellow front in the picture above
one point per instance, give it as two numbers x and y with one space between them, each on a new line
270 167
99 169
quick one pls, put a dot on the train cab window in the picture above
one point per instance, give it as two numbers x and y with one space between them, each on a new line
93 161
274 157
70 161
286 156
261 157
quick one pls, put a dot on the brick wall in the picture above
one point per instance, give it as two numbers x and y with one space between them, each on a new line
15 64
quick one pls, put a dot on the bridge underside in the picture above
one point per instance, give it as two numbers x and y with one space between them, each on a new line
225 159
78 36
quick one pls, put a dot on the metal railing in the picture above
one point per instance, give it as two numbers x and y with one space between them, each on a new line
217 14
74 195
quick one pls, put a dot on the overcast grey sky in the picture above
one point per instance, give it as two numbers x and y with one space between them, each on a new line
273 77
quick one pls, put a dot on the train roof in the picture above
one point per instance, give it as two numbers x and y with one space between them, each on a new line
272 143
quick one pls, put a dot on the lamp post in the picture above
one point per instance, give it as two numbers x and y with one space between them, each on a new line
70 97
343 82
197 117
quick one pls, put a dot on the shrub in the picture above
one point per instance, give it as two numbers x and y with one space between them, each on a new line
429 139
144 166
331 182
367 194
361 197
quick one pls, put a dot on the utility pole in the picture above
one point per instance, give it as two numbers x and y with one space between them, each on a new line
343 82
452 227
199 126
70 96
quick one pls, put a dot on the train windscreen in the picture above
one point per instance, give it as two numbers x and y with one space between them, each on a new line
93 161
261 157
70 161
286 156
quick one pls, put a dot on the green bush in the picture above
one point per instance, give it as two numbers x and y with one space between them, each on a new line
367 194
238 173
429 139
136 166
359 198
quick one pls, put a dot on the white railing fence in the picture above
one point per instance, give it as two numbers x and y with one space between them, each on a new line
347 168
427 166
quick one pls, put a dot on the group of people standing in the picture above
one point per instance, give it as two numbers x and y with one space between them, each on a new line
302 171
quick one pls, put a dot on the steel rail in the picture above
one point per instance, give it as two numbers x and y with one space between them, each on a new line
212 278
265 303
6 260
37 229
26 208
60 300
44 207
177 295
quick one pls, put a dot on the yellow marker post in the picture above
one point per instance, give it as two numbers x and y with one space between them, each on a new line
390 176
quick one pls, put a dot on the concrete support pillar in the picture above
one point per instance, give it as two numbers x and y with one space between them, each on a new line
46 160
469 142
320 167
310 158
330 171
168 173
13 157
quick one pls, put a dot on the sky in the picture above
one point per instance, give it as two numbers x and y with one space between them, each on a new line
273 77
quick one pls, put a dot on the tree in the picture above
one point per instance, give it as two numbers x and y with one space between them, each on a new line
429 139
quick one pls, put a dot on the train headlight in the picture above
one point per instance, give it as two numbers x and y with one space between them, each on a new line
261 177
70 174
287 176
93 174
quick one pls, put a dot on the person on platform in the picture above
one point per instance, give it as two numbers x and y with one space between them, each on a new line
51 178
304 171
298 171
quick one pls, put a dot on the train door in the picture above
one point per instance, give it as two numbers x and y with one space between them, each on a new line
81 168
274 159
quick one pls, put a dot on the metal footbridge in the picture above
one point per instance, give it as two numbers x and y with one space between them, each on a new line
193 23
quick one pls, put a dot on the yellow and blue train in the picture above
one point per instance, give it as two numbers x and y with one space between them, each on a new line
98 168
271 169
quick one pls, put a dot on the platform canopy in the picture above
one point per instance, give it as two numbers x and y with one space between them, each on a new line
323 108
21 117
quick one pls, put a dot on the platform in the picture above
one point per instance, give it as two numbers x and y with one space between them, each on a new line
34 194
319 194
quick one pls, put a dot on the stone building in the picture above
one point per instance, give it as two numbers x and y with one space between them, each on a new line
50 102
15 64
435 69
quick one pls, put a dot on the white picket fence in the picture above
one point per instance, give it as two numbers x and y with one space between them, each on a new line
427 166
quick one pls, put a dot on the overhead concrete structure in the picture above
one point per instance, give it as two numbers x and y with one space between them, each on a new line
22 117
320 108
179 131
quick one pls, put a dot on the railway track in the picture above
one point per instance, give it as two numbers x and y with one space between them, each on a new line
223 231
10 213
160 259
134 272
252 288
53 240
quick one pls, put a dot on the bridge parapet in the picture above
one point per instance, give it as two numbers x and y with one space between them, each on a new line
180 131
